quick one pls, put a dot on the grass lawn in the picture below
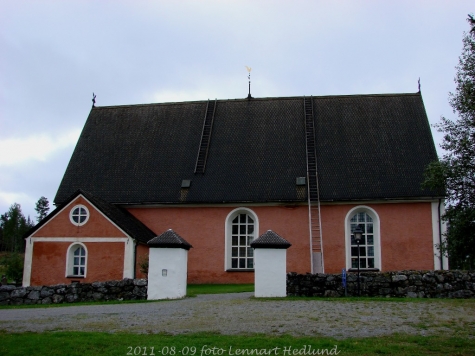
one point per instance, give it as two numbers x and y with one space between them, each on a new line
193 290
77 343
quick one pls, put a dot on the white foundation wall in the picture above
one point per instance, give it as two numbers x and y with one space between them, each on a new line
167 273
270 272
129 258
437 235
27 262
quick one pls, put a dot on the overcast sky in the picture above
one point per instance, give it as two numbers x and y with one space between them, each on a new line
55 54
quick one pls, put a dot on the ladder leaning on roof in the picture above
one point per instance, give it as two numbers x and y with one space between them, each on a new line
314 216
205 137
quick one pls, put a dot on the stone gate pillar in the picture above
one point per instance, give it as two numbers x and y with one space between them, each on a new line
270 265
167 266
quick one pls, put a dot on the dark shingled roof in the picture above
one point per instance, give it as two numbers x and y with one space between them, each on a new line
270 240
121 217
368 147
372 147
169 239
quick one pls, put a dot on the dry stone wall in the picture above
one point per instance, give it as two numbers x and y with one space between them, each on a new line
413 284
126 289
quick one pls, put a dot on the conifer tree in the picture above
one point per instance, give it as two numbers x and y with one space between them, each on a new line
454 173
14 225
42 208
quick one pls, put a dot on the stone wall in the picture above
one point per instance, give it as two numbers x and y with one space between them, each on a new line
126 289
413 284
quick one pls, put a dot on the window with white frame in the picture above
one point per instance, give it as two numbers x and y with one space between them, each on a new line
77 260
369 248
241 230
79 215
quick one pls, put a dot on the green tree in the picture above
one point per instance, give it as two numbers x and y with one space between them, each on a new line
454 173
13 263
42 208
14 225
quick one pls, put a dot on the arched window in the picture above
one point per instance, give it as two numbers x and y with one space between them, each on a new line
369 249
241 229
76 260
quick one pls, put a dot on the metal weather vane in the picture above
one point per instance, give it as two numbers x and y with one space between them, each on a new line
249 77
93 99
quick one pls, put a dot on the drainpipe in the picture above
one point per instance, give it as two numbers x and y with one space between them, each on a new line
441 257
135 259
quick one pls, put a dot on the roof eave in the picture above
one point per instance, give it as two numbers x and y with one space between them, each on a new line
353 200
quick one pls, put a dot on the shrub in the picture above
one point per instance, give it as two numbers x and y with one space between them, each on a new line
13 263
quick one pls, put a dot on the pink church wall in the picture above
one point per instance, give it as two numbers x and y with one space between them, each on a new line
105 262
204 228
141 255
105 259
406 236
406 240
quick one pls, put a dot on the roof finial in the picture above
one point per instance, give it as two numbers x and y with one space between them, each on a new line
419 84
93 100
249 77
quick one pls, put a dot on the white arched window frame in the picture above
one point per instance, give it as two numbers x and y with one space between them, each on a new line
76 260
241 228
370 249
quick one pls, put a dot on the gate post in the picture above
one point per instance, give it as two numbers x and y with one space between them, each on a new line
270 265
167 266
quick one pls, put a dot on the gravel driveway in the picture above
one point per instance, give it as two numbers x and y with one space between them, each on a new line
237 313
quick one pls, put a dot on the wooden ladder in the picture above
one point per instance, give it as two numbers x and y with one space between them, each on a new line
313 191
205 137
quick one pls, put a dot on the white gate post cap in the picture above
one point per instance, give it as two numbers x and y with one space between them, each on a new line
270 240
169 239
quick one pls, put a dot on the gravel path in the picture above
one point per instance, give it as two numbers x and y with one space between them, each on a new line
238 313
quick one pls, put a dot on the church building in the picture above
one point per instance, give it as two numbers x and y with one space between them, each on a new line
220 173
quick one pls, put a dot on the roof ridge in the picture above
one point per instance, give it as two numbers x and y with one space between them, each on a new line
258 99
368 95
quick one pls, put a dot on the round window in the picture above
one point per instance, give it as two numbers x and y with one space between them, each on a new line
79 215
